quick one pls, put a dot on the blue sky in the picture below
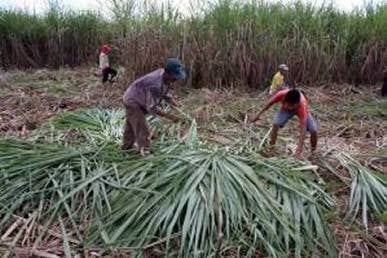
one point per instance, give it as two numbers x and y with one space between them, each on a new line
183 5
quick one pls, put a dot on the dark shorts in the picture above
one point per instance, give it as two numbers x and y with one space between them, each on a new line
283 116
108 74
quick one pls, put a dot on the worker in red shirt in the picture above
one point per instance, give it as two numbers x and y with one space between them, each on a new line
293 103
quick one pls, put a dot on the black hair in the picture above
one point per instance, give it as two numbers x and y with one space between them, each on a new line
293 96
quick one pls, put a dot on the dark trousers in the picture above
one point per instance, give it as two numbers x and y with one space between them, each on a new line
106 72
384 88
136 128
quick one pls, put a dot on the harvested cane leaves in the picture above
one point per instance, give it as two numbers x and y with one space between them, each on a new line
368 191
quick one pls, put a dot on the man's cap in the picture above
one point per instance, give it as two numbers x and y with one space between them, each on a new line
175 67
105 48
283 67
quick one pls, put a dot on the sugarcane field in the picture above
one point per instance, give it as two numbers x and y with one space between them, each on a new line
193 128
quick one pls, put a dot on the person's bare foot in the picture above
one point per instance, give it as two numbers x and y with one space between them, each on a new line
144 152
153 134
271 151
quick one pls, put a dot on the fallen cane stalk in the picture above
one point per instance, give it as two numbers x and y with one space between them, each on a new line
38 253
16 224
16 239
30 227
50 232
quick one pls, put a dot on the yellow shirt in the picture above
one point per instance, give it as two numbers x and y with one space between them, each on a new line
276 83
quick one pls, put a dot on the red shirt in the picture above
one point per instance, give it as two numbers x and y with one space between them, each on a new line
301 110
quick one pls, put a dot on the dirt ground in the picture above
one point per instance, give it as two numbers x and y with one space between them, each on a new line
353 119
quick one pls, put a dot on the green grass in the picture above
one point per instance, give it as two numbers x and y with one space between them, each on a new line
59 89
374 107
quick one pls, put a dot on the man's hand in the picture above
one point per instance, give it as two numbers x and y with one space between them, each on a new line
253 119
175 102
169 116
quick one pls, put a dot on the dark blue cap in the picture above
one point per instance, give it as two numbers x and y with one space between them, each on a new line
175 67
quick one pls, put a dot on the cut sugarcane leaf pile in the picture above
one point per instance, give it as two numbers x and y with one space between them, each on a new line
187 198
99 125
368 191
209 201
206 200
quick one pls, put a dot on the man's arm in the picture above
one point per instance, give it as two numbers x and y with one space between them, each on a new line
266 107
153 99
276 98
167 115
154 109
172 100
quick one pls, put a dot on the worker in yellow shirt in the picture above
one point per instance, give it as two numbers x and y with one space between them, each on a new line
278 83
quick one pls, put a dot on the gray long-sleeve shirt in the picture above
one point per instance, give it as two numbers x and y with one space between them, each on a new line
148 91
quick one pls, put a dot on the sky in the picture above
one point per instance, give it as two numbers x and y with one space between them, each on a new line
183 5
